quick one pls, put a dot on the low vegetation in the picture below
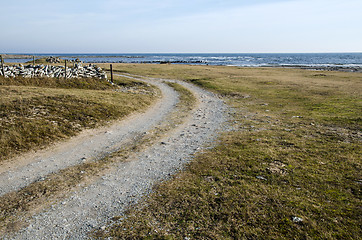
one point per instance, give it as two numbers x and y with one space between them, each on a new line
289 169
17 206
36 112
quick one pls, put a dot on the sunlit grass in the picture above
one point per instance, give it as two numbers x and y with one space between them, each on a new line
36 112
294 154
17 206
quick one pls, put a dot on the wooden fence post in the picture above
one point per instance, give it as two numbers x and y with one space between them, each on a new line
2 65
65 74
33 60
111 74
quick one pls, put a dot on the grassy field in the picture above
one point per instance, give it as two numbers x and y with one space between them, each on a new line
290 169
16 207
35 112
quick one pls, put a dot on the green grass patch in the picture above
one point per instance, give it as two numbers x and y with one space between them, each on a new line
294 153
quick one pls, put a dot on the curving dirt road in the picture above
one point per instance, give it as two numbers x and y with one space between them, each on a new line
85 147
93 206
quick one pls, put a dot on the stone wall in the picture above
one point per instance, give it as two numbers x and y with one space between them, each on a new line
89 71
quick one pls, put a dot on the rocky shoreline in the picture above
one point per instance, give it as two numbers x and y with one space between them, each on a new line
326 67
341 68
198 62
322 68
78 71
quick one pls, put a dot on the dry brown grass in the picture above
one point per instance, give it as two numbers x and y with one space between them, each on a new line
36 112
295 152
17 206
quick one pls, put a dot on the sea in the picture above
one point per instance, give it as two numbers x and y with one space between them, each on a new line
349 60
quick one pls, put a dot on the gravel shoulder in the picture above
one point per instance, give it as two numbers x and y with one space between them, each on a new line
93 206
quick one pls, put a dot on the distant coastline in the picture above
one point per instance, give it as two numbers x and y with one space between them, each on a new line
351 62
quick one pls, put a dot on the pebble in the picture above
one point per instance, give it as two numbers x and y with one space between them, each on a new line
261 178
297 219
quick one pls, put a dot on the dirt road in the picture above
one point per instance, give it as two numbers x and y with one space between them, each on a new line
93 206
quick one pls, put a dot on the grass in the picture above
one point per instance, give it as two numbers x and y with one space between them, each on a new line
187 99
36 112
19 205
295 152
81 83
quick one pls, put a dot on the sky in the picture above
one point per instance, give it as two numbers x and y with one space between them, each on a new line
180 26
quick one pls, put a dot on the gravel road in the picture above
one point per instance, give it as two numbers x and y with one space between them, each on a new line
87 146
93 206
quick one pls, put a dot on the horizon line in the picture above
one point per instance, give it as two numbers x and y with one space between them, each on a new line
47 53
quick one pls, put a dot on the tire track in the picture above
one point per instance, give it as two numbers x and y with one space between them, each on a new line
90 145
93 206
